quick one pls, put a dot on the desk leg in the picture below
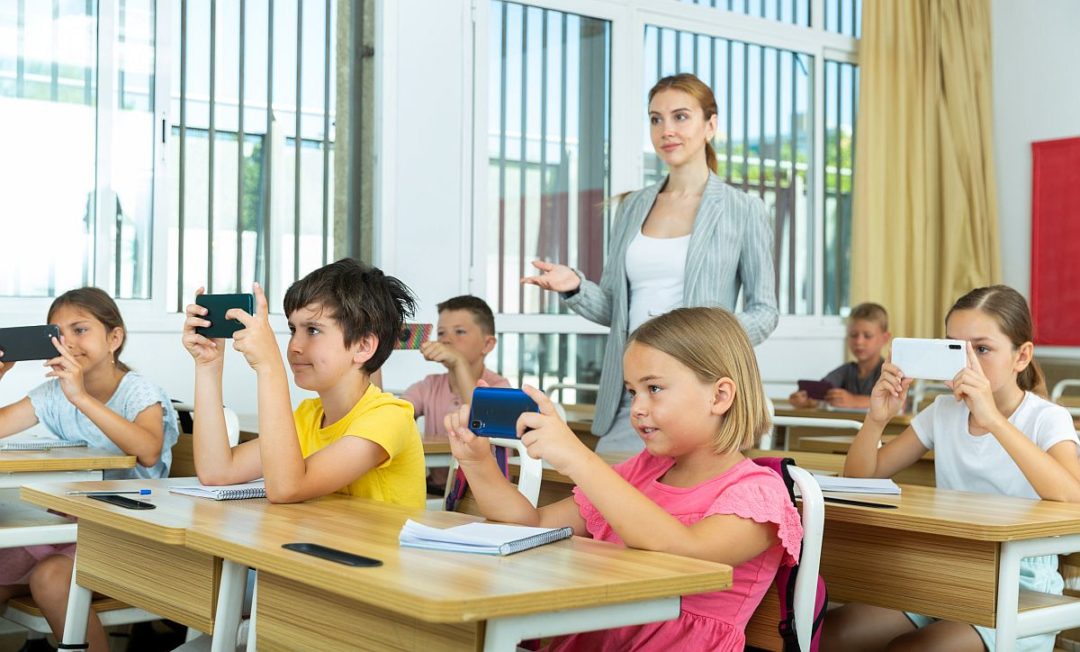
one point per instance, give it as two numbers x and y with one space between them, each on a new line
229 605
78 612
503 634
1008 597
251 637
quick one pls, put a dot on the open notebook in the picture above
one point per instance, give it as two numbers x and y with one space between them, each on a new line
224 492
483 538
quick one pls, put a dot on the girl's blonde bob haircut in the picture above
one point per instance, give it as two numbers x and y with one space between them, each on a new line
713 344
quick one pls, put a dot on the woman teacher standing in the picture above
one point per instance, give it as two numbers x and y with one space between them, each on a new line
689 240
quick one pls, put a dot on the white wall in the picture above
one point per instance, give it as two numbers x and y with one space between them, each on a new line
1036 97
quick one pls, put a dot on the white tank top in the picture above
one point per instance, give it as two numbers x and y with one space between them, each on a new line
655 268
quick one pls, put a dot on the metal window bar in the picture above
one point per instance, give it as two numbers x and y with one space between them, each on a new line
326 135
212 149
182 176
297 151
242 41
503 64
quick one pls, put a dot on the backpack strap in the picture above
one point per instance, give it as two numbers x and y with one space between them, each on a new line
458 483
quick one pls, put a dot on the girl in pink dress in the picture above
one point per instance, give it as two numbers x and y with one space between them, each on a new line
697 402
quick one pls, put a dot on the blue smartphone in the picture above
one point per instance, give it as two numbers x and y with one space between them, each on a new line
495 411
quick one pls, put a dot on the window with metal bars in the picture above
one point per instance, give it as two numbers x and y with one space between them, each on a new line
253 144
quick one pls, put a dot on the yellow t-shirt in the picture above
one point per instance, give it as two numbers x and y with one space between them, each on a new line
381 418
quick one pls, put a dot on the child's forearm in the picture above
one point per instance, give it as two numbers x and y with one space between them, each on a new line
210 436
497 499
1049 478
862 458
131 438
464 382
283 464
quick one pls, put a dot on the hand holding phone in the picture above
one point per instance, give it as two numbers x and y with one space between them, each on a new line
412 336
219 304
495 410
28 343
815 389
929 359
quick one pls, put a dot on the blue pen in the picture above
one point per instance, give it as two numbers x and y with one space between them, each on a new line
137 492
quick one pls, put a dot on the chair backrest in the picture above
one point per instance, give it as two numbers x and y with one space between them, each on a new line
800 588
551 389
530 471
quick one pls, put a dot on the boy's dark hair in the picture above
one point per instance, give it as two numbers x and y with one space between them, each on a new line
872 312
101 307
361 298
479 308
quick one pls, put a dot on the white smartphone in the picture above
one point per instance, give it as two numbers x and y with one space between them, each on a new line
929 359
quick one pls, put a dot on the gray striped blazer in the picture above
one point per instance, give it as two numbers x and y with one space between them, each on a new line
731 246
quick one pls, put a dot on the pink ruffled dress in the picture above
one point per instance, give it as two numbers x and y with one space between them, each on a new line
708 621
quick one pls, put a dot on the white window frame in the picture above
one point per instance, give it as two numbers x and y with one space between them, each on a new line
140 315
628 19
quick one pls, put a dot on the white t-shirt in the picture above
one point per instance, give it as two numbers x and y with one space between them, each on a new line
655 268
978 463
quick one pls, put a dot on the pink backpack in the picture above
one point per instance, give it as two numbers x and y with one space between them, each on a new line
785 576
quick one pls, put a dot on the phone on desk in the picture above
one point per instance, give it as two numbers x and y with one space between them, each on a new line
219 304
412 336
495 410
815 389
125 502
332 554
28 343
929 359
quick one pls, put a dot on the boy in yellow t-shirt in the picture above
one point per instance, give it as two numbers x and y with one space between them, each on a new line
354 439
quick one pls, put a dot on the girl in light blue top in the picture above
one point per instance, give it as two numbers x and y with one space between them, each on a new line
91 397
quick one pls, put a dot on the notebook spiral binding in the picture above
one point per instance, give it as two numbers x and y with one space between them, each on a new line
535 540
239 494
41 445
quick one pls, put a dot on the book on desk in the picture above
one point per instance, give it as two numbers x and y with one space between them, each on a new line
482 538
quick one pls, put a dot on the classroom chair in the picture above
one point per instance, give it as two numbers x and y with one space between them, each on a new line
813 522
529 474
581 387
23 612
804 422
1059 391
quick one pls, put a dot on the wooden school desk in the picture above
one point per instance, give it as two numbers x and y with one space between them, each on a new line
22 525
952 555
429 600
138 556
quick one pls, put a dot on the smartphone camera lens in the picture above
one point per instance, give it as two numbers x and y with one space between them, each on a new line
476 424
954 347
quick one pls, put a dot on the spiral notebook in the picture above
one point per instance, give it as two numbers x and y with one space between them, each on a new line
41 445
224 492
482 538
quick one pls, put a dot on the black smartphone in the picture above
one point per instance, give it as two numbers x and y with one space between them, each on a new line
28 343
413 335
815 389
125 502
332 554
495 411
219 304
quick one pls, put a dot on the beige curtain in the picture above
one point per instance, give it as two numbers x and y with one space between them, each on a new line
924 227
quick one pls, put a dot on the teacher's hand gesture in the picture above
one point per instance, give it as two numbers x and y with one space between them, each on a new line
559 278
